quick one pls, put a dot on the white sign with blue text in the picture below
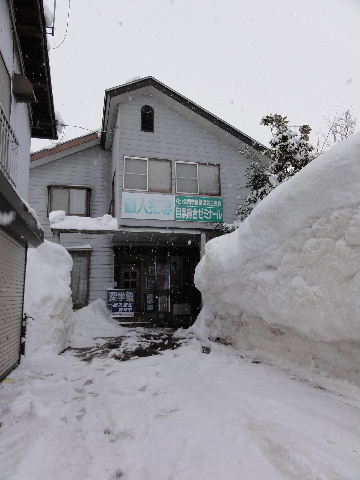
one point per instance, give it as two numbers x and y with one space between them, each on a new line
146 206
189 208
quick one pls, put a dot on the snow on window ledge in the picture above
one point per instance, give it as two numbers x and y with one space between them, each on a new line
60 221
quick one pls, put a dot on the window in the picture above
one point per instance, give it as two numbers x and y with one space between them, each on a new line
80 277
5 88
198 178
147 119
74 200
147 174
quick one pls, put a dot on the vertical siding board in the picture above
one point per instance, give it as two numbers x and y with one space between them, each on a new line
89 167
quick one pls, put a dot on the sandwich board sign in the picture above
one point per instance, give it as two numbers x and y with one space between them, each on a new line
122 302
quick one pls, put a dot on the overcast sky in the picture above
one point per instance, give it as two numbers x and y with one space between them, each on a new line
240 59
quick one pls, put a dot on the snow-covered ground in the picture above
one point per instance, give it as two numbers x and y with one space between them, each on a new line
182 414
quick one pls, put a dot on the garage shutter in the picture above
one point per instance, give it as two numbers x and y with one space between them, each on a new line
12 268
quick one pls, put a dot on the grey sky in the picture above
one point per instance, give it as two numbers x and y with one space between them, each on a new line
240 59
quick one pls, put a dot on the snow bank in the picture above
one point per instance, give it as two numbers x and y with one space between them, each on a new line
91 322
59 220
287 282
47 300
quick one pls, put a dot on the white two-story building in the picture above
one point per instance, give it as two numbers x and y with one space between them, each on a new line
169 171
26 110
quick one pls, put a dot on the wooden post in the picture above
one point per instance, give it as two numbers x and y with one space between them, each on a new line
202 243
56 236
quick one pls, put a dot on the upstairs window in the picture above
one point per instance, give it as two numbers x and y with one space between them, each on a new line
74 200
147 119
198 178
147 174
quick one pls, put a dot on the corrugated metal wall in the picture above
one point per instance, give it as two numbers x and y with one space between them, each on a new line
12 268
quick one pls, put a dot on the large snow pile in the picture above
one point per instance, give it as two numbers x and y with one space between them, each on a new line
91 322
47 301
59 220
287 282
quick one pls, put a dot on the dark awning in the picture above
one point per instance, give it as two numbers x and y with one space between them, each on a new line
24 226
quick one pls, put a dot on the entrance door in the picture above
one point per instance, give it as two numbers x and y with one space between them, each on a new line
130 280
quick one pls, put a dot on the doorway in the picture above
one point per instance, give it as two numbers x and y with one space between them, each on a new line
163 279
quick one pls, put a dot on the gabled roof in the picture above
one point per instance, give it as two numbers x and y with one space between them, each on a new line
152 82
31 32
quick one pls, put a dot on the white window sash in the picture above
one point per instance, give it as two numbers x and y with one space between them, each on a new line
138 174
188 178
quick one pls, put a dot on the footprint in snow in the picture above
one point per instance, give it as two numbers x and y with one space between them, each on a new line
117 475
80 414
166 412
120 435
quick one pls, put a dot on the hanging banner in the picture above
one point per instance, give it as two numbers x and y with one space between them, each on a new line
147 206
152 206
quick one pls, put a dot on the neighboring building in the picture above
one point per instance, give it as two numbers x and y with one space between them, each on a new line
169 171
26 110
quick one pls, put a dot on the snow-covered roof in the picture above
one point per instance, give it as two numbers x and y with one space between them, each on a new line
63 149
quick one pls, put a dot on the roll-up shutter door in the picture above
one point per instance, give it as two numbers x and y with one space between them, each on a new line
12 268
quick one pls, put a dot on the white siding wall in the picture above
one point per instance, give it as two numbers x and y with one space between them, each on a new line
101 261
89 167
178 136
19 116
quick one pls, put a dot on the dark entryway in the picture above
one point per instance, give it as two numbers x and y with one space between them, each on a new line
163 280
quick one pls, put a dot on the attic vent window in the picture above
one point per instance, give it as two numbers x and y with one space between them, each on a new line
147 119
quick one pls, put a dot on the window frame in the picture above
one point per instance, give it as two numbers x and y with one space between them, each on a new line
143 112
86 252
147 174
197 178
192 178
68 187
142 174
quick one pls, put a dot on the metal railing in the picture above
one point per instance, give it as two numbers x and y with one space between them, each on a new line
9 146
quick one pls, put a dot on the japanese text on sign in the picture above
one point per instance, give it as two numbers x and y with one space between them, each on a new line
122 302
199 209
147 206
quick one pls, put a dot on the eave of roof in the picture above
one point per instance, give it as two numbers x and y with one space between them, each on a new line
31 32
152 82
61 147
25 227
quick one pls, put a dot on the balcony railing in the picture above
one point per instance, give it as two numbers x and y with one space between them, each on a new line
9 146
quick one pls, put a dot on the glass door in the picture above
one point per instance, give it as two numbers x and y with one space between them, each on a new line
129 280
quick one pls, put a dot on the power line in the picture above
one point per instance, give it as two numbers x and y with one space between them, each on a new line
66 29
65 125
